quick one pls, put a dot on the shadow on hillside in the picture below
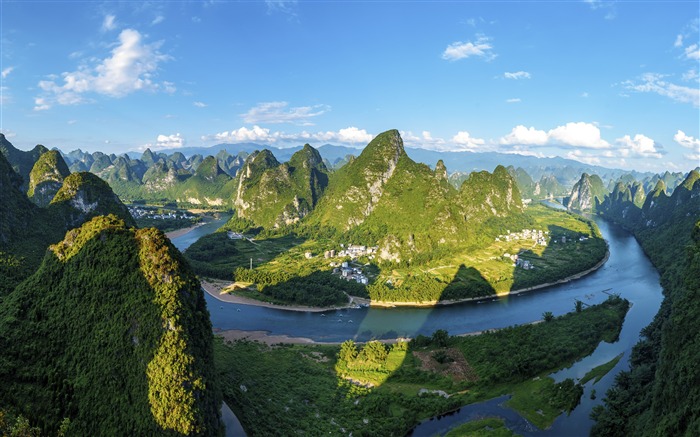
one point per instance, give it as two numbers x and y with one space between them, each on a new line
468 282
217 255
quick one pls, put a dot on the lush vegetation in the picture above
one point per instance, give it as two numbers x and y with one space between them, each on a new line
378 389
491 427
316 289
659 394
597 373
111 333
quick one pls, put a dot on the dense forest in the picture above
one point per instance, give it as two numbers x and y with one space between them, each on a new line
659 394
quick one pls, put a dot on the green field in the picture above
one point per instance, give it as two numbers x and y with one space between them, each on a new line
373 389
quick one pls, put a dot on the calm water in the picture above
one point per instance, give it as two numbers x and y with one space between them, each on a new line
627 272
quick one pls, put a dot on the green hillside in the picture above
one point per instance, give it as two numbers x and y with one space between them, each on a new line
275 195
111 334
46 177
587 193
659 394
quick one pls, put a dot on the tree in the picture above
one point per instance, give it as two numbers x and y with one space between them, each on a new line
579 306
348 351
374 352
548 316
440 338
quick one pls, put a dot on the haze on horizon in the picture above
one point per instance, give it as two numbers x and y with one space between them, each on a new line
606 83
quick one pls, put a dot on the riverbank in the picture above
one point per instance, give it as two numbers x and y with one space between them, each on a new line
214 289
181 232
383 304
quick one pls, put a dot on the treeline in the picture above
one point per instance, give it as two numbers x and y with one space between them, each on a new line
319 288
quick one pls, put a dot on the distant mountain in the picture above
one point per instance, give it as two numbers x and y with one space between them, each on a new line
46 177
22 162
586 194
26 230
84 196
273 194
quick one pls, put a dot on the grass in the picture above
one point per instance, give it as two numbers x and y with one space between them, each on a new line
491 427
531 400
286 392
599 372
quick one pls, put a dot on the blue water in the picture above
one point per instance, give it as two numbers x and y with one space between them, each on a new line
628 272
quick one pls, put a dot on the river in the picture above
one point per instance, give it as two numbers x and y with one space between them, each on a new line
628 272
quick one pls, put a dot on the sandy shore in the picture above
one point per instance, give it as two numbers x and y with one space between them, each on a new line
264 337
214 289
180 232
381 304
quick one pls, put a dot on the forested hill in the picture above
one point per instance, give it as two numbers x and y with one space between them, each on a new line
111 334
106 333
660 395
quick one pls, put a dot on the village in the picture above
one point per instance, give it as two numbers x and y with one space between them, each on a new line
539 237
138 212
347 272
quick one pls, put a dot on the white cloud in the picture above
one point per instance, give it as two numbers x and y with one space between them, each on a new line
516 100
584 94
350 135
6 72
679 41
693 157
523 135
277 112
174 141
424 141
517 75
256 134
640 145
686 140
8 133
41 104
109 23
654 83
130 68
159 19
692 52
461 50
691 74
72 122
200 104
466 141
580 134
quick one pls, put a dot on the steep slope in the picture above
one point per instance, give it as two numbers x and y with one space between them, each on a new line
525 183
384 198
357 187
46 177
113 334
587 193
21 162
659 394
83 196
22 242
275 195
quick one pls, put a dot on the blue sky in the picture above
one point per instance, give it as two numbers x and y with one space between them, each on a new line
609 83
